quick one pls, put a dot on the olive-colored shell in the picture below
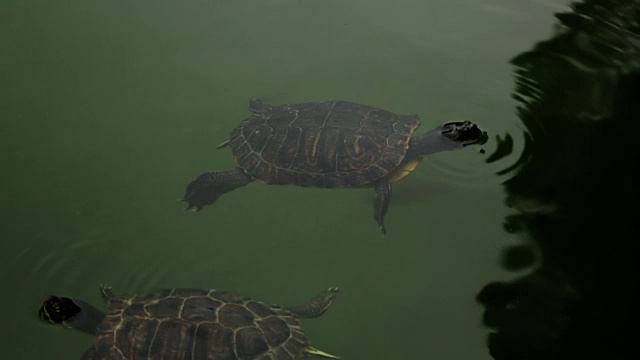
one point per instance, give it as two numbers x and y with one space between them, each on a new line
198 324
323 144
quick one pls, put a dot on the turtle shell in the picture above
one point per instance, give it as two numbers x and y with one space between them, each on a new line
197 324
321 144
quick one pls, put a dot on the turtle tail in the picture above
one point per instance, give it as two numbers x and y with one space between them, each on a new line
313 351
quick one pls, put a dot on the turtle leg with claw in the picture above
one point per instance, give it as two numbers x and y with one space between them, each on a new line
314 308
208 187
381 203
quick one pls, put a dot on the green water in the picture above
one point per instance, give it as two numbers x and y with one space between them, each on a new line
109 109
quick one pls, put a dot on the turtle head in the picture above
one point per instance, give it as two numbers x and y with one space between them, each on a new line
71 314
464 133
58 310
450 136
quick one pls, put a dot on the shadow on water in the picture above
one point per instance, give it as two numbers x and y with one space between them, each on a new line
573 199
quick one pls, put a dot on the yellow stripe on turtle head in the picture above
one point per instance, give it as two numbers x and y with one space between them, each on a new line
405 170
44 314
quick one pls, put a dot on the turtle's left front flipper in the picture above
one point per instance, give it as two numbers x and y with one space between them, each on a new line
208 187
381 203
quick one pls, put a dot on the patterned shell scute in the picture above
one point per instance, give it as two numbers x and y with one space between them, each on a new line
197 324
326 144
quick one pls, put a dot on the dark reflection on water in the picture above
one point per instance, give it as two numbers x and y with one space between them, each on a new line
574 198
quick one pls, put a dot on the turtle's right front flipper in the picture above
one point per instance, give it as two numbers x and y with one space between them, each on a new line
208 187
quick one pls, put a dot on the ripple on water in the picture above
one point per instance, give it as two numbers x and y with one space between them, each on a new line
491 163
69 263
77 264
144 277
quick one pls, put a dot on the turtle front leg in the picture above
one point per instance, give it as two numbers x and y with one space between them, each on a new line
381 203
316 306
208 187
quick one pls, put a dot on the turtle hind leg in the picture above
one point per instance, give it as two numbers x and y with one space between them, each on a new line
381 203
316 306
208 187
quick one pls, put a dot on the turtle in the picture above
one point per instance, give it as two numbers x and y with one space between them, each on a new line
328 144
185 323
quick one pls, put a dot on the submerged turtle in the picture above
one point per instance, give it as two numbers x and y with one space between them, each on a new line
189 324
331 144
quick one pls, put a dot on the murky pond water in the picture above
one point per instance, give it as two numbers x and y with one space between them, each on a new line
110 109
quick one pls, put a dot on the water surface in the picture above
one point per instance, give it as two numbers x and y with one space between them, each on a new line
110 109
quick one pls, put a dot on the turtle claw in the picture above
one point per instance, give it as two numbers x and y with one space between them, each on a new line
193 208
190 206
328 294
105 291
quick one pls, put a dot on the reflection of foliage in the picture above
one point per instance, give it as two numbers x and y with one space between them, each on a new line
597 43
529 313
579 95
